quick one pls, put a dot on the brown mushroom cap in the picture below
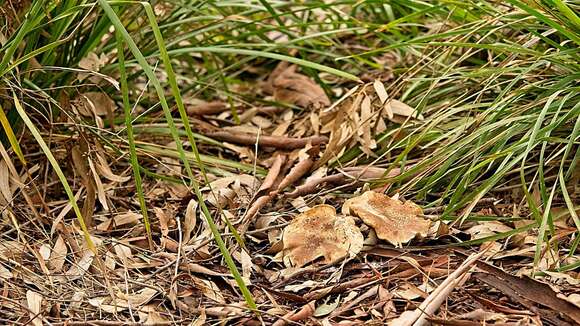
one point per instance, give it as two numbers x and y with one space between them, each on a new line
393 220
319 232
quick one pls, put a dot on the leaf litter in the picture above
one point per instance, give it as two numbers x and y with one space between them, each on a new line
381 260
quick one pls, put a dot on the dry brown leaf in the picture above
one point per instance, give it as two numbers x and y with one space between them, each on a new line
368 141
247 266
209 289
487 228
381 91
398 108
99 302
165 222
200 320
58 255
120 220
261 122
105 170
482 315
100 187
136 299
124 253
34 303
78 269
95 103
392 220
410 292
93 62
123 301
189 221
11 250
5 273
5 193
199 269
291 87
238 189
169 165
319 232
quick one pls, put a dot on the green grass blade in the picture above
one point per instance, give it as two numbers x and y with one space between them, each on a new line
52 160
160 93
185 119
131 138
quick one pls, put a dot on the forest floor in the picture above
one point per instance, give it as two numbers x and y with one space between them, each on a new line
299 193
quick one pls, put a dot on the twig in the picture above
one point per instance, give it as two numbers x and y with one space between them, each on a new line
273 173
299 170
266 141
351 174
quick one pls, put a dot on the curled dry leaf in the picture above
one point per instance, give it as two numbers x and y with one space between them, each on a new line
104 169
319 232
96 103
189 221
5 193
398 111
291 87
393 220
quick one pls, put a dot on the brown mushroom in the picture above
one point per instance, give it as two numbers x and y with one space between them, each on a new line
319 232
392 220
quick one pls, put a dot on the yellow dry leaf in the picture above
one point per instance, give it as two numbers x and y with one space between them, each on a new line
320 233
392 220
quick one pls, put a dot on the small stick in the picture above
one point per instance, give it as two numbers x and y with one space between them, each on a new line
281 142
299 170
207 108
273 173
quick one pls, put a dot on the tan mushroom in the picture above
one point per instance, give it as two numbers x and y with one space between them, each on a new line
392 220
319 232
